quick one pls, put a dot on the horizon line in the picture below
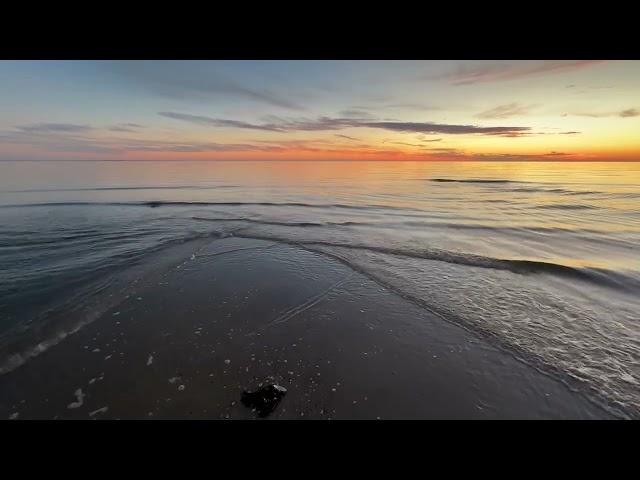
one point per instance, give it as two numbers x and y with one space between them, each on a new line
555 160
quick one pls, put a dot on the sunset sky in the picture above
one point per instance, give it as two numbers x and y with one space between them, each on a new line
320 110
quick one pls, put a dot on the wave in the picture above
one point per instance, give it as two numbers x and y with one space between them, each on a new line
456 226
91 296
156 204
280 224
517 189
566 206
471 180
99 189
597 276
562 191
514 329
521 229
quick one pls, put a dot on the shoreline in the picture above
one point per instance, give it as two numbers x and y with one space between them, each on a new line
67 319
341 344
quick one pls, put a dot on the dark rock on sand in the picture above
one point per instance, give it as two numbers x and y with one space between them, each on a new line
265 400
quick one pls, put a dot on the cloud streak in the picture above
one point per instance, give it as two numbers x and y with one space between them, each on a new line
628 113
195 80
328 123
465 75
125 127
505 111
218 122
118 145
356 113
435 128
53 128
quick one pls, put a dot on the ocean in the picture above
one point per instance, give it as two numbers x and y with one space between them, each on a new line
540 258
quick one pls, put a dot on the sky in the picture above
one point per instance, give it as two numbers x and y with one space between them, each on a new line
573 110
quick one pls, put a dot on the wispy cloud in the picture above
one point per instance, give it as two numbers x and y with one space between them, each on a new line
126 127
114 145
58 140
410 106
506 111
70 128
195 80
506 157
218 122
467 75
53 128
328 123
347 137
446 150
556 154
628 113
397 106
356 113
193 147
407 144
435 128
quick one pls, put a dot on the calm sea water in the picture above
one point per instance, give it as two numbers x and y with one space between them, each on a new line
541 258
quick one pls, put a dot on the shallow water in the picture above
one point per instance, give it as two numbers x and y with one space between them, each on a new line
540 257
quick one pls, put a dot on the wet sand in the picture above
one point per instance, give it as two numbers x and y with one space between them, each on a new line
235 314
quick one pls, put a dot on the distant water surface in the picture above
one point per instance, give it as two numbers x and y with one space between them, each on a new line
541 258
